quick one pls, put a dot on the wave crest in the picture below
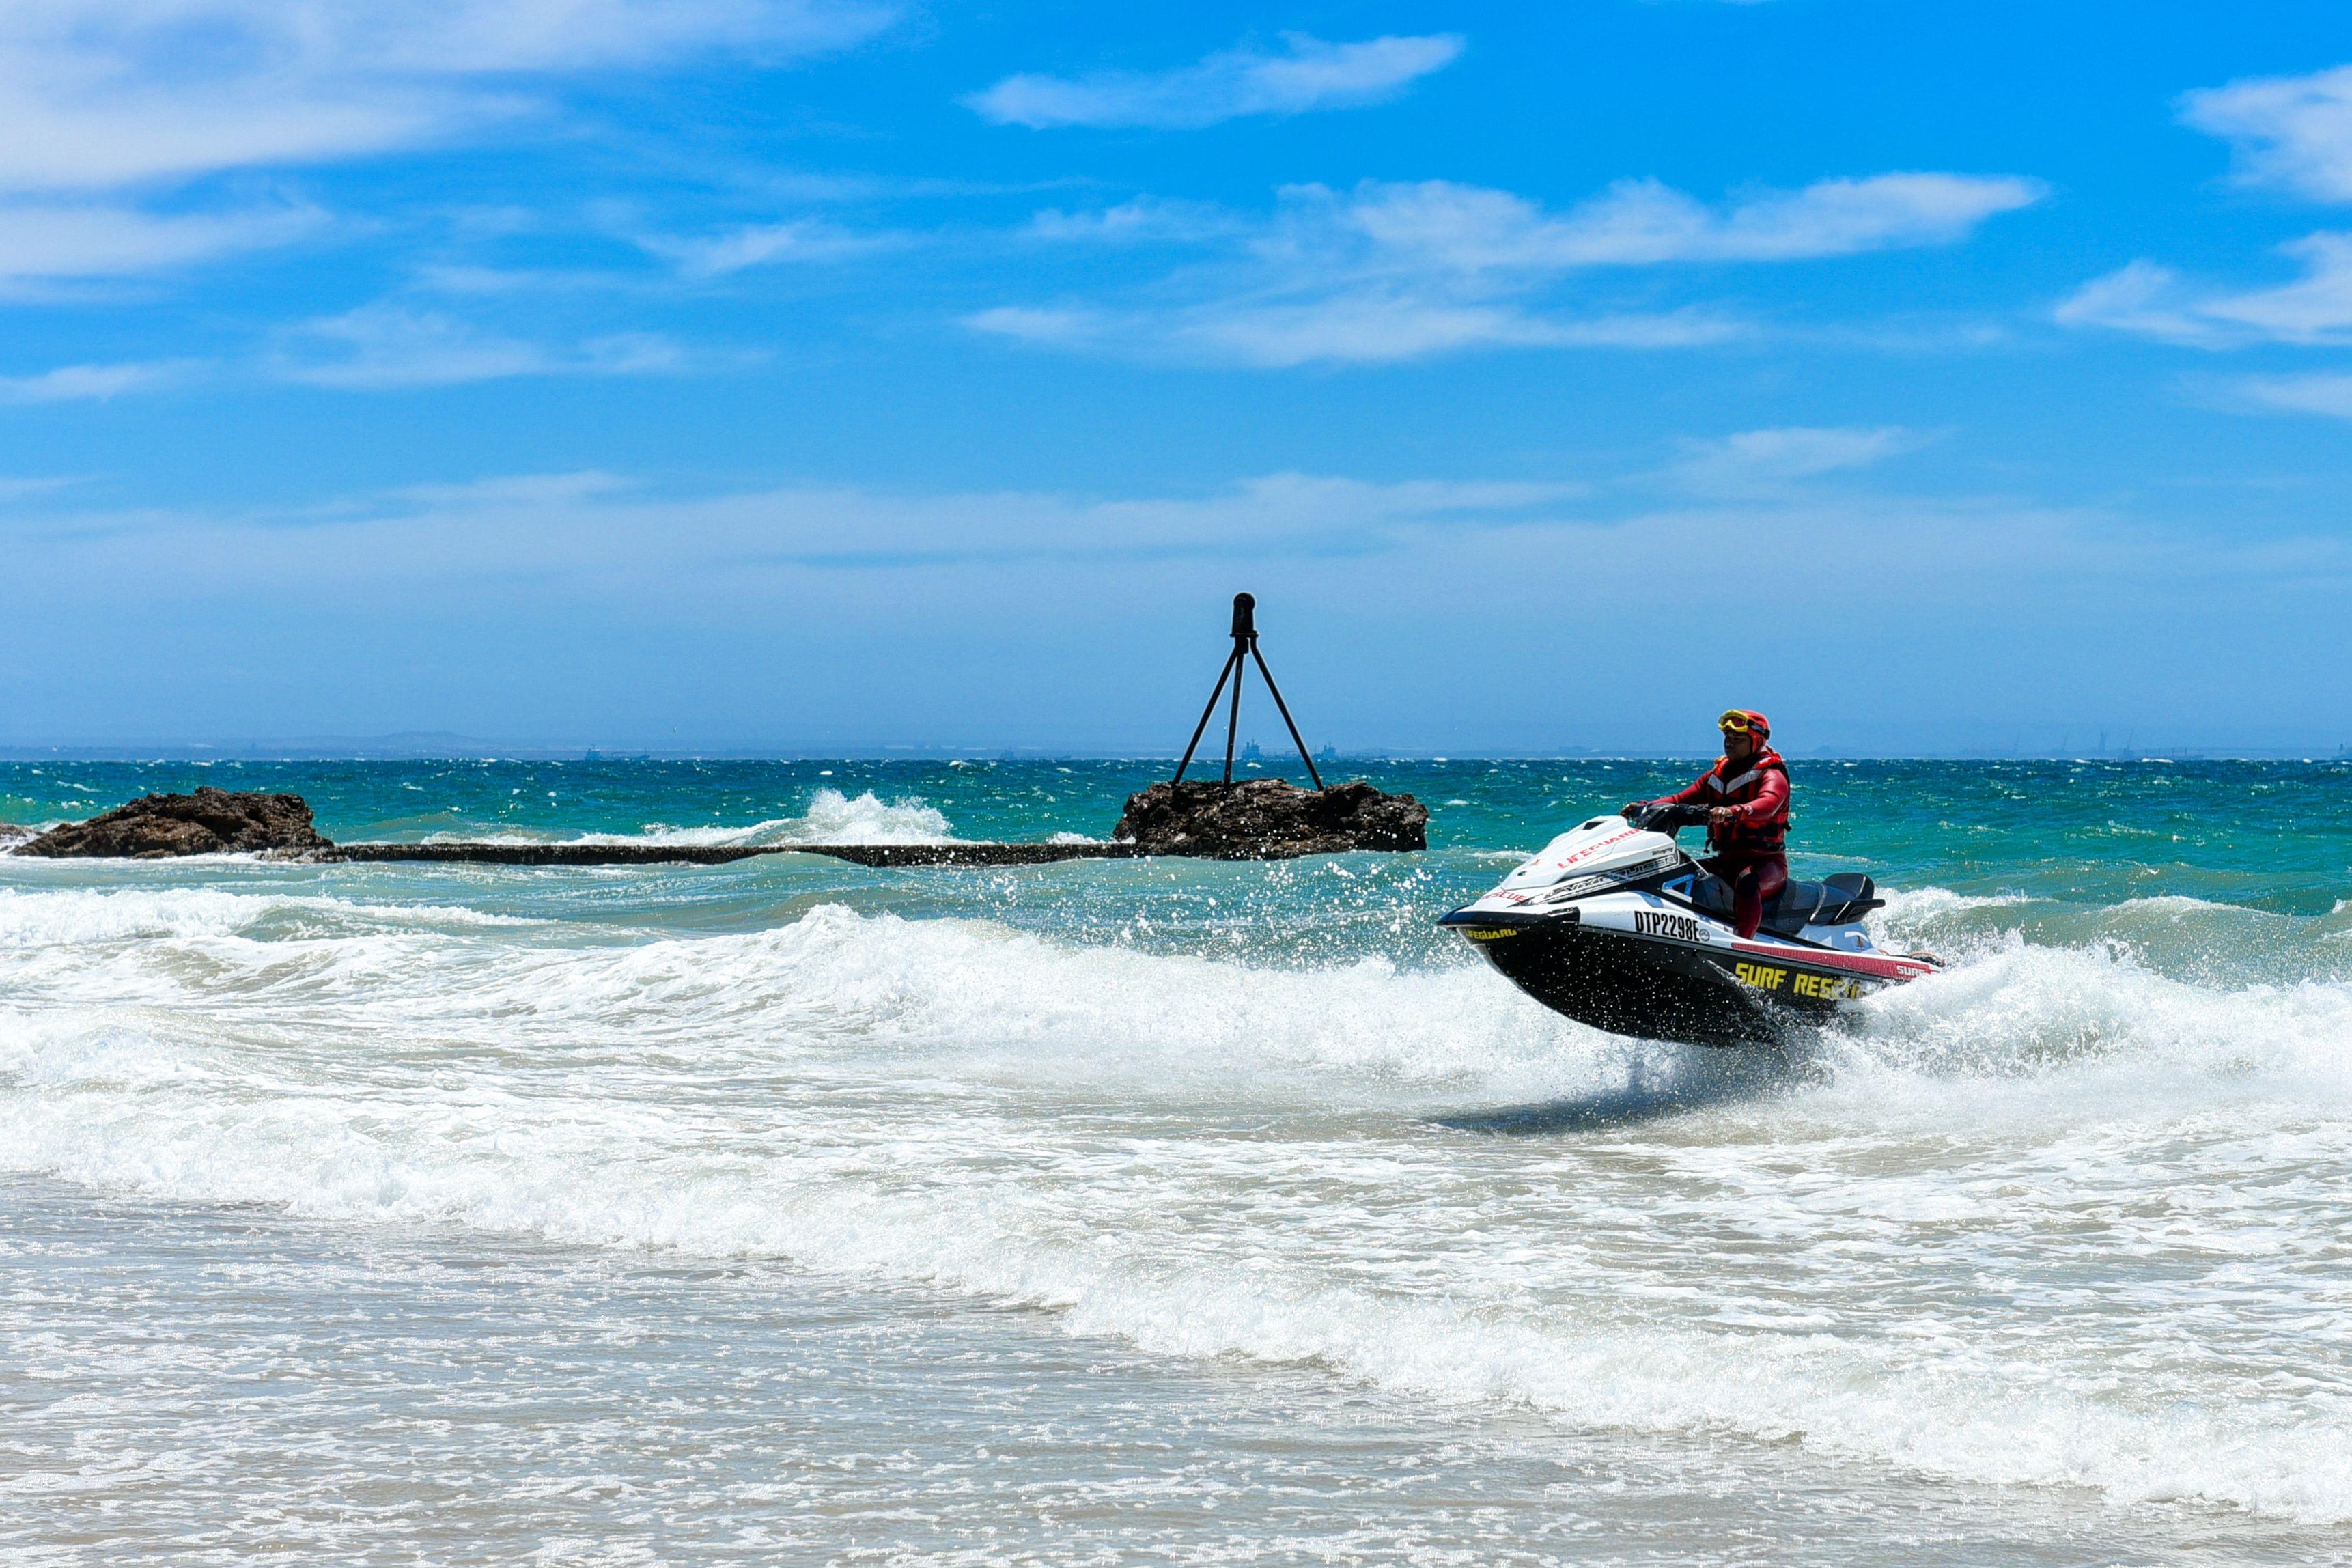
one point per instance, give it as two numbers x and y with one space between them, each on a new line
831 817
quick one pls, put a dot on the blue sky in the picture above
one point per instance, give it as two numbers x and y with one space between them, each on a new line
841 373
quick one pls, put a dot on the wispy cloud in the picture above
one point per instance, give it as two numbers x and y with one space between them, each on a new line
50 241
78 383
567 588
1304 74
1145 220
99 94
1358 328
383 346
590 529
1465 228
2156 301
107 105
1391 271
763 244
460 278
2294 132
2319 393
1761 460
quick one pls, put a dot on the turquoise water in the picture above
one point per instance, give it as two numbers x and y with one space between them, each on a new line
2273 836
2066 842
791 1210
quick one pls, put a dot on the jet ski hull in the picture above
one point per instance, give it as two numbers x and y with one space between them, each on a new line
1737 994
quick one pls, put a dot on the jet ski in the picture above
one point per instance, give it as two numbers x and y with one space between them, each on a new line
1613 925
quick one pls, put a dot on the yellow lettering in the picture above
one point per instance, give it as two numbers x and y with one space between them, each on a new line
1833 987
1762 976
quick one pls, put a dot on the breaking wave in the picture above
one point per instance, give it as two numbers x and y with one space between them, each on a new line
1896 1247
831 817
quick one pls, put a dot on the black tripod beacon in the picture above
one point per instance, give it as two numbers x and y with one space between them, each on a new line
1244 644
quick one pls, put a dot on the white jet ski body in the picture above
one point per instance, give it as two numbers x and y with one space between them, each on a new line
1613 925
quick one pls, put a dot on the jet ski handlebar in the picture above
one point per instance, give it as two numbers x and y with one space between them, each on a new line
1657 817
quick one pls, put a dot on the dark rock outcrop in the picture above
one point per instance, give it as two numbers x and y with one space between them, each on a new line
1269 819
209 822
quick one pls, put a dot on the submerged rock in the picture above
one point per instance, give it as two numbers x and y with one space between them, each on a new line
1269 819
209 822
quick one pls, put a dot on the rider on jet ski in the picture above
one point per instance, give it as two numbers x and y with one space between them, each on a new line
1747 795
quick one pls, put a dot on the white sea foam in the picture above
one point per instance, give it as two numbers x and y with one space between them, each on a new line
63 921
831 817
2050 1217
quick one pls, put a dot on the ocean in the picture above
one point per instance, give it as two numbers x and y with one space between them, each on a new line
791 1211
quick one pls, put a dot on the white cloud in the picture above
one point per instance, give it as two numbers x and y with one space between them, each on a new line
1058 328
99 94
761 245
443 278
2155 301
1392 272
1145 220
592 531
1305 74
383 346
2294 133
1373 327
1755 460
20 490
1466 228
1438 224
2314 394
105 103
1364 328
2142 298
75 383
2317 309
50 241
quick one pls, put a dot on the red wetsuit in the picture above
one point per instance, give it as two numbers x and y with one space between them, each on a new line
1750 851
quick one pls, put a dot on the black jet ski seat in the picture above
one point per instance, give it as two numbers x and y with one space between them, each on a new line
1833 900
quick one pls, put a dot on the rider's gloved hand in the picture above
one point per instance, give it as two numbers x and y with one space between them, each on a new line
1630 808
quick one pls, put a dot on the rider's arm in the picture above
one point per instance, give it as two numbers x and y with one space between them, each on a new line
1695 794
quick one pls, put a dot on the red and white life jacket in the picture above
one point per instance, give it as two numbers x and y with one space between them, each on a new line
1723 787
